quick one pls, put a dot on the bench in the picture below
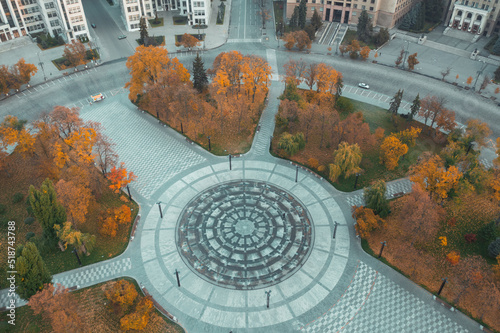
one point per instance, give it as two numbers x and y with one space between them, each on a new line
189 140
443 303
399 194
137 218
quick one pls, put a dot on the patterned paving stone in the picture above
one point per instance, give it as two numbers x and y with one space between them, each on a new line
147 150
244 235
374 303
82 277
94 274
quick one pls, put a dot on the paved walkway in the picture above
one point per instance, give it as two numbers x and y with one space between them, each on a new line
336 287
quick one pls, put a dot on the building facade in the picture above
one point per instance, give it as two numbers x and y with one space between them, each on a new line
65 18
196 11
384 13
479 17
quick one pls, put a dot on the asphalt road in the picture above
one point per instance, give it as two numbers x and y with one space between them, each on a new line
106 31
381 79
245 22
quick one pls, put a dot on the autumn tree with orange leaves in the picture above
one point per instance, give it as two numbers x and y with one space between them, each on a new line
22 72
122 295
392 150
430 174
366 220
151 67
60 307
138 319
75 53
120 178
418 215
189 41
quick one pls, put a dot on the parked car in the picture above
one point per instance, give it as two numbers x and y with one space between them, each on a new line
93 25
364 86
97 97
122 37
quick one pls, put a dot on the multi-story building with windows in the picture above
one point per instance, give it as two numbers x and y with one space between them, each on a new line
384 13
479 17
56 17
197 11
473 16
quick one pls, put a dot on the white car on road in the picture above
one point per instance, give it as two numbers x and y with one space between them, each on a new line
364 86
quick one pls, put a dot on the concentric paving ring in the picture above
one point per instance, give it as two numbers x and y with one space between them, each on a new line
244 234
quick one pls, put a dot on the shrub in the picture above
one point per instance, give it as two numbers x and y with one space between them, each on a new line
494 248
453 257
3 209
18 197
321 168
487 232
470 238
29 220
30 235
313 163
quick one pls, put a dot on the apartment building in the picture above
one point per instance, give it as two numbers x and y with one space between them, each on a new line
476 17
196 11
65 18
384 13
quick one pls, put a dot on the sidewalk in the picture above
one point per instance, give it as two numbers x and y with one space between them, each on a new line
435 55
215 35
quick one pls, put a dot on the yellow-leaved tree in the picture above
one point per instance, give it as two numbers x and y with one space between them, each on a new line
432 176
346 160
151 65
392 150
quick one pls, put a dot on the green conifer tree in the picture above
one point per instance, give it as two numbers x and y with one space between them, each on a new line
143 30
415 107
302 14
396 102
294 20
47 210
32 272
200 79
316 20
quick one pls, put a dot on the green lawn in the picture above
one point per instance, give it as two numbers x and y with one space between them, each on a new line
180 20
159 24
350 35
379 117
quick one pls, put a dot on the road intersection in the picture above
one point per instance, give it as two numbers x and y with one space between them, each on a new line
337 287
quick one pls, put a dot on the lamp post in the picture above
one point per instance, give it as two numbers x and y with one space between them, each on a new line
268 293
296 173
230 167
442 286
177 276
159 207
209 145
77 257
335 229
129 195
271 143
356 182
40 63
182 129
381 249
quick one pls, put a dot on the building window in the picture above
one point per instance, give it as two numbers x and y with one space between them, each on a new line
348 5
371 9
363 7
355 6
